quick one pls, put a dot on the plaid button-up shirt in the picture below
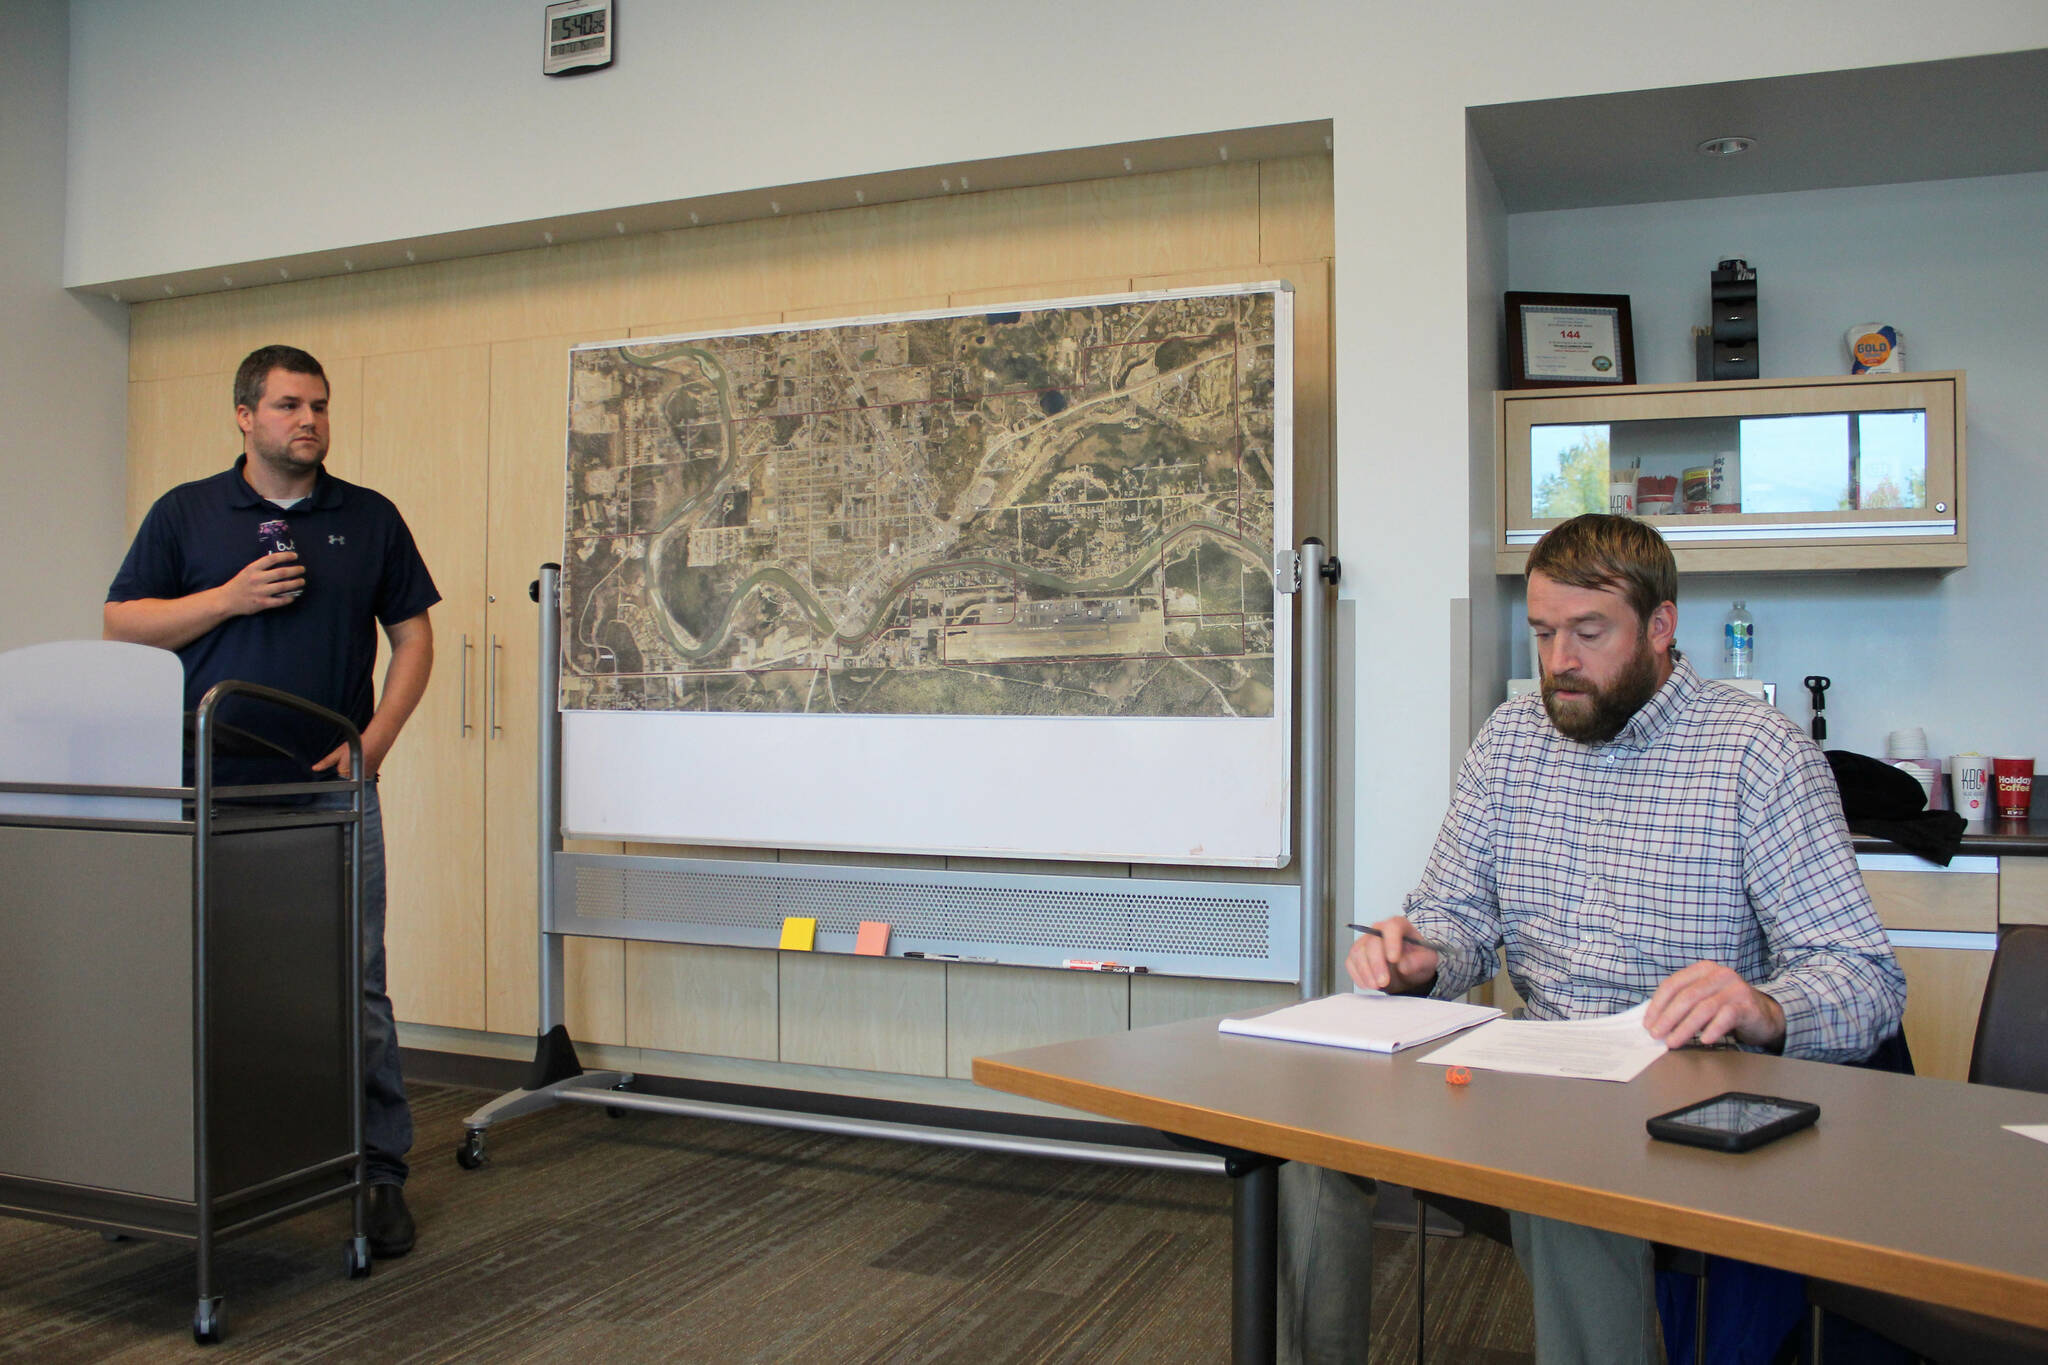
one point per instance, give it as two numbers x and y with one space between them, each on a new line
1709 829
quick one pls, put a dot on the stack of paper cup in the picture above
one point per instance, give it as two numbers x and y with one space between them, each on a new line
1972 773
1906 750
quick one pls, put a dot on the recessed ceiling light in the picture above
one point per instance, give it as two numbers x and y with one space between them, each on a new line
1725 146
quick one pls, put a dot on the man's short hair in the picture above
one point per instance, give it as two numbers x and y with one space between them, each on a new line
1597 550
258 364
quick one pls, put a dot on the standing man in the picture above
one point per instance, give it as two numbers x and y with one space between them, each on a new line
1637 833
200 581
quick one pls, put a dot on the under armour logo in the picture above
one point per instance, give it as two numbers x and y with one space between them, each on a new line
337 540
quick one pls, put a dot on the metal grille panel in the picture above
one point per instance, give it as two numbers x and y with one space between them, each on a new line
1247 930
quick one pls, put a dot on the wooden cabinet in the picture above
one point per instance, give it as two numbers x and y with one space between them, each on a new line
459 438
423 449
529 394
1851 472
1944 927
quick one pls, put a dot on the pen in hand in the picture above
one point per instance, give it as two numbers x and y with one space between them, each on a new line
1405 938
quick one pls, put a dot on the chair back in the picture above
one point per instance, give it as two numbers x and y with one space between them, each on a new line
2012 1027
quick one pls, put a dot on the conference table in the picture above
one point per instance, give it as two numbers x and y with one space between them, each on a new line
1906 1184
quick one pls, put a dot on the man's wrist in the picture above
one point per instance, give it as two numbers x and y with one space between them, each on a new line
1771 1022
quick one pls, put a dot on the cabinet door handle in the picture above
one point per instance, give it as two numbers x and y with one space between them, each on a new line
466 727
492 676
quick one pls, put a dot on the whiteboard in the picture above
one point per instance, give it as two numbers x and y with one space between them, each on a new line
1199 790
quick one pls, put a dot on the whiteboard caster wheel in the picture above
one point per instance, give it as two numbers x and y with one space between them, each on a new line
206 1322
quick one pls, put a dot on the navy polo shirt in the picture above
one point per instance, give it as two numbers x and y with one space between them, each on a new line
362 570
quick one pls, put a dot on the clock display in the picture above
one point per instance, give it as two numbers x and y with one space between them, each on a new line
588 24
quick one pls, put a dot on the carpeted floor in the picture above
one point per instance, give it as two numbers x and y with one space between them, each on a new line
589 1239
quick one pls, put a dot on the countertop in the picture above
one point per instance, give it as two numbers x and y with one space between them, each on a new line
2000 839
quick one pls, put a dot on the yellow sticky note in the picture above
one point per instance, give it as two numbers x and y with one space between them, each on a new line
799 932
873 940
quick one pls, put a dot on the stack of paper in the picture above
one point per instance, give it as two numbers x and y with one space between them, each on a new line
1615 1048
1369 1021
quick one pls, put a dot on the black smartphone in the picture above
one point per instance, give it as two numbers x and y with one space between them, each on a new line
1734 1122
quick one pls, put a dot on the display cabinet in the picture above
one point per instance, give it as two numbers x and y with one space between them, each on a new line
1848 472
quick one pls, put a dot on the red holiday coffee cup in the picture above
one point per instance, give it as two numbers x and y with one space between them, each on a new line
2012 781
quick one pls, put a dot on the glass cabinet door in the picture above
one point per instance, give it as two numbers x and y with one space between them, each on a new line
1817 461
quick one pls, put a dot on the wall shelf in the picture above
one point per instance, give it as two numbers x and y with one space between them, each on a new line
1806 475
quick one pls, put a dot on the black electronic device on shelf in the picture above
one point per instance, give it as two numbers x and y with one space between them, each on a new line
1733 290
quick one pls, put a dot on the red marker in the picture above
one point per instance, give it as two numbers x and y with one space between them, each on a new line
1085 964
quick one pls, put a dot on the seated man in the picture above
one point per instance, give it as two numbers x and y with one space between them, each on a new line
1637 833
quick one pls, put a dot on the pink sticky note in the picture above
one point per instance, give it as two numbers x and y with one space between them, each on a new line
873 940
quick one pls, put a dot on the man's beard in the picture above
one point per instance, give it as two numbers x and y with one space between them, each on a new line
1600 714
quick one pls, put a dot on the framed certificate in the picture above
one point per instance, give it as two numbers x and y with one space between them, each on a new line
1557 339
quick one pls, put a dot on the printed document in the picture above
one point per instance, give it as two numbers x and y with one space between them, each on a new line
1616 1048
1370 1021
2037 1131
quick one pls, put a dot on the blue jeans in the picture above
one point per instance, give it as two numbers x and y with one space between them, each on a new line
387 1117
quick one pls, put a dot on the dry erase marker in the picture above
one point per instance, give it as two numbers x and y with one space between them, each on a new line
950 957
1085 964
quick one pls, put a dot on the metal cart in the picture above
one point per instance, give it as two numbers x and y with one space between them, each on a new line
181 1000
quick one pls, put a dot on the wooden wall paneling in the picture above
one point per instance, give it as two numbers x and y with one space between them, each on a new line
425 419
869 253
593 989
2023 890
528 424
1944 990
344 415
731 323
687 997
546 292
842 857
1955 902
866 1013
648 850
1296 217
999 1009
1167 999
1141 224
650 1002
868 308
707 272
178 429
1037 867
211 332
1090 229
1035 290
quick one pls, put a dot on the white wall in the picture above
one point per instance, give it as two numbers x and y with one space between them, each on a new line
1486 234
1959 266
181 163
63 364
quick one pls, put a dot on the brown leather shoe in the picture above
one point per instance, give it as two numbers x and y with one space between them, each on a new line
390 1222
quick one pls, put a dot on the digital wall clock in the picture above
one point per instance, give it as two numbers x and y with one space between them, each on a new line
579 35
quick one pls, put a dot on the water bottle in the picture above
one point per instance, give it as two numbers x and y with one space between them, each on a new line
1738 643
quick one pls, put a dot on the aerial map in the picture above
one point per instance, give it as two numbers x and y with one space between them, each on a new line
1068 510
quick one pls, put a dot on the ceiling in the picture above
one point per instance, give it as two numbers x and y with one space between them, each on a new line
1941 120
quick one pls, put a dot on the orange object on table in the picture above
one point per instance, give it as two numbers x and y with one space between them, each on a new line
1458 1075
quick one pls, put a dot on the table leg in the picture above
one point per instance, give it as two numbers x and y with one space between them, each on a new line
1254 1270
